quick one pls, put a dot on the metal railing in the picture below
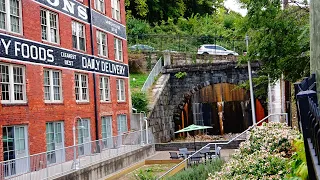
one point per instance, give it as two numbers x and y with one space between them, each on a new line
184 43
56 163
156 70
226 143
308 120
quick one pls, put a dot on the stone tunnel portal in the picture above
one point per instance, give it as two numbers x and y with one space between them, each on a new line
224 106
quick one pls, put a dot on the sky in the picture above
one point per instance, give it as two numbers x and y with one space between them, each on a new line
235 6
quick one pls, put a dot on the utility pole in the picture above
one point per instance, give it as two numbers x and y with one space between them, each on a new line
285 4
253 109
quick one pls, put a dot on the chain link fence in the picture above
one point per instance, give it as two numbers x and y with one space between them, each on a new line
182 43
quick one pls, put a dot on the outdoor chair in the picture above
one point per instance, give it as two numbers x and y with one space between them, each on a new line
174 155
183 152
214 154
195 159
204 152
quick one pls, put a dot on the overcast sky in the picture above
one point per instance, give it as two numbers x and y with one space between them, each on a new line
235 6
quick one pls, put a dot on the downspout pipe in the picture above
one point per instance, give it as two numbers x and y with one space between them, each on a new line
94 74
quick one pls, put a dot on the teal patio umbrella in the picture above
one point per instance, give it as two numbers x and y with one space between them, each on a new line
193 128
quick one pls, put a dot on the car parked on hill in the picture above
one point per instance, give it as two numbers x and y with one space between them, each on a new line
141 47
215 50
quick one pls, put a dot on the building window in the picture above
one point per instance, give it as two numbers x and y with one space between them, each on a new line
78 36
104 88
107 131
115 5
118 49
15 150
55 142
84 137
122 123
10 15
102 44
49 26
120 90
12 81
99 5
81 87
52 86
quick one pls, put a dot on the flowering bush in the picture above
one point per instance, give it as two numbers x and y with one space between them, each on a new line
271 137
264 155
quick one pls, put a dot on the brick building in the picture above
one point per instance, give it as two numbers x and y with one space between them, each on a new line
62 62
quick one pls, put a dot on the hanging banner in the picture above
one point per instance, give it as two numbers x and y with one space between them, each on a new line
25 50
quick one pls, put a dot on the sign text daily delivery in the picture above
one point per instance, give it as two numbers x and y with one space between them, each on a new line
24 50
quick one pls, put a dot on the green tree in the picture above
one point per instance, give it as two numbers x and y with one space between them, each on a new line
279 38
156 11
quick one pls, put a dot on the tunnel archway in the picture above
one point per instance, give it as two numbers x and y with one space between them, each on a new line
224 106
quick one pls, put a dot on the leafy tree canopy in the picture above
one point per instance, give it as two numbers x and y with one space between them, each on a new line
279 38
155 11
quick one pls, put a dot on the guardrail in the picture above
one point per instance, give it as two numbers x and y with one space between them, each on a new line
56 163
156 70
308 121
226 143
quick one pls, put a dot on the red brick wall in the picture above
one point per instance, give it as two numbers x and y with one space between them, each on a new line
35 113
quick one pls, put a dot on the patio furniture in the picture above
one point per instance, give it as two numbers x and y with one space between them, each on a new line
195 159
183 152
204 152
174 155
214 154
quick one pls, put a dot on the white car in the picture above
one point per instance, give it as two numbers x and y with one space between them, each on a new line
215 50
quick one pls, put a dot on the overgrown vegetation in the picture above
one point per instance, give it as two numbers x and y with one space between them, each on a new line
270 152
137 81
140 101
199 172
180 75
279 37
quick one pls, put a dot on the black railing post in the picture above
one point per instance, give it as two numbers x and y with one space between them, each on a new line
303 116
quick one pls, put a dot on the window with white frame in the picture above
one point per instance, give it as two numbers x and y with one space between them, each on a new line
81 87
10 15
78 36
55 142
12 81
102 43
115 7
104 88
49 26
118 49
120 90
122 123
52 85
99 5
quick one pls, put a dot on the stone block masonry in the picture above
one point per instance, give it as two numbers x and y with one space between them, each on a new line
176 91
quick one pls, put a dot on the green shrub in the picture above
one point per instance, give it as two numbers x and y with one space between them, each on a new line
140 101
264 155
180 75
145 175
298 163
198 172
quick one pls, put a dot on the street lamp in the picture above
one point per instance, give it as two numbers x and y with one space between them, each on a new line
142 143
145 119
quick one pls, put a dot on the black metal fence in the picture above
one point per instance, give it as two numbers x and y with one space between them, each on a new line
181 43
309 122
